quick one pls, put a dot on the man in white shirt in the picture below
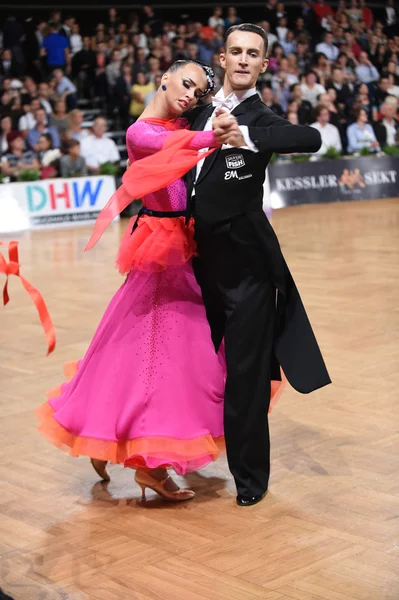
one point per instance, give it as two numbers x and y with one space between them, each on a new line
97 149
28 121
311 90
330 137
327 47
390 123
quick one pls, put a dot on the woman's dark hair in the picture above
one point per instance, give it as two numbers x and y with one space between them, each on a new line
209 73
358 111
251 28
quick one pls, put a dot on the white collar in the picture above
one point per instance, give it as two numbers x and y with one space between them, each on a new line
238 96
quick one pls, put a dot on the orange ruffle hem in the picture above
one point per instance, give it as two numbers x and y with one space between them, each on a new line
138 453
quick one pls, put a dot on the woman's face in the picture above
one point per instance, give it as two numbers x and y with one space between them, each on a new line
141 79
363 118
184 87
43 144
6 125
363 90
60 106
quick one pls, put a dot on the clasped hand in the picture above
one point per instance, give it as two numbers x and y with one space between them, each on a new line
226 129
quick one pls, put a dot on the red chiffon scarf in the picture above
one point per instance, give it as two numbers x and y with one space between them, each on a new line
151 173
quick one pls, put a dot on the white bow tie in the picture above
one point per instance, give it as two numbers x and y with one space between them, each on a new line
228 102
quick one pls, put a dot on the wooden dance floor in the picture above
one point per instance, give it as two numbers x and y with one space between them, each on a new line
329 526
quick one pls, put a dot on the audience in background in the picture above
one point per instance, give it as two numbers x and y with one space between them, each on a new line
333 67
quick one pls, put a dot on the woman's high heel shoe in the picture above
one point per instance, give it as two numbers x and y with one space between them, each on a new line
100 467
145 480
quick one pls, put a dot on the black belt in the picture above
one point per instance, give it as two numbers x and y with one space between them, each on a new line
160 214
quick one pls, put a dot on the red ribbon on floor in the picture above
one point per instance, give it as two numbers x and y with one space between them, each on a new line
12 268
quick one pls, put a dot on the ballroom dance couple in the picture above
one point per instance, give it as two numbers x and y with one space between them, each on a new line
192 349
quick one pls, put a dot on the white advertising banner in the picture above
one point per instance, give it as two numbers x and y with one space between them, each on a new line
53 202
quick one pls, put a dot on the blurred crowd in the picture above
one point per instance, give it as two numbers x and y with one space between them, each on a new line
336 69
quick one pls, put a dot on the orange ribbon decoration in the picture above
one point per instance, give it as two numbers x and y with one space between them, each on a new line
12 268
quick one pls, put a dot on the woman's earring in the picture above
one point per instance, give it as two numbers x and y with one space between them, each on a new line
163 87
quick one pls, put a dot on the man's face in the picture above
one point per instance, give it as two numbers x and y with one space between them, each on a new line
329 38
40 116
7 55
388 111
43 90
384 84
324 117
243 59
99 127
338 76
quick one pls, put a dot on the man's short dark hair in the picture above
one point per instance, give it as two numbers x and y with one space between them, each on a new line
251 28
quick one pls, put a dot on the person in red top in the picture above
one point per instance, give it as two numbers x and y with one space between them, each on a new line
322 10
367 15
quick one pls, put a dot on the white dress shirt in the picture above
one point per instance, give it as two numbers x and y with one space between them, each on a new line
232 101
330 138
97 151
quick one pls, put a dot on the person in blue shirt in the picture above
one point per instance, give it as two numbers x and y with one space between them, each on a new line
41 128
361 134
56 49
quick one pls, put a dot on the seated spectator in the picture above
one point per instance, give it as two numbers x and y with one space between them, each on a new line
322 10
342 89
98 149
393 89
327 47
361 134
66 89
216 19
17 159
348 70
304 106
41 128
232 18
73 164
28 121
59 118
281 88
47 155
292 117
28 90
75 129
5 129
267 98
139 91
311 89
363 100
330 137
390 126
271 37
366 71
157 83
282 29
43 96
9 68
289 44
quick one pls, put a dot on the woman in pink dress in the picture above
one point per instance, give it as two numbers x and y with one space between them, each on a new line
149 392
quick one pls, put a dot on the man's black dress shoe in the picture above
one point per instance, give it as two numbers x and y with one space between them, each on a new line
249 500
